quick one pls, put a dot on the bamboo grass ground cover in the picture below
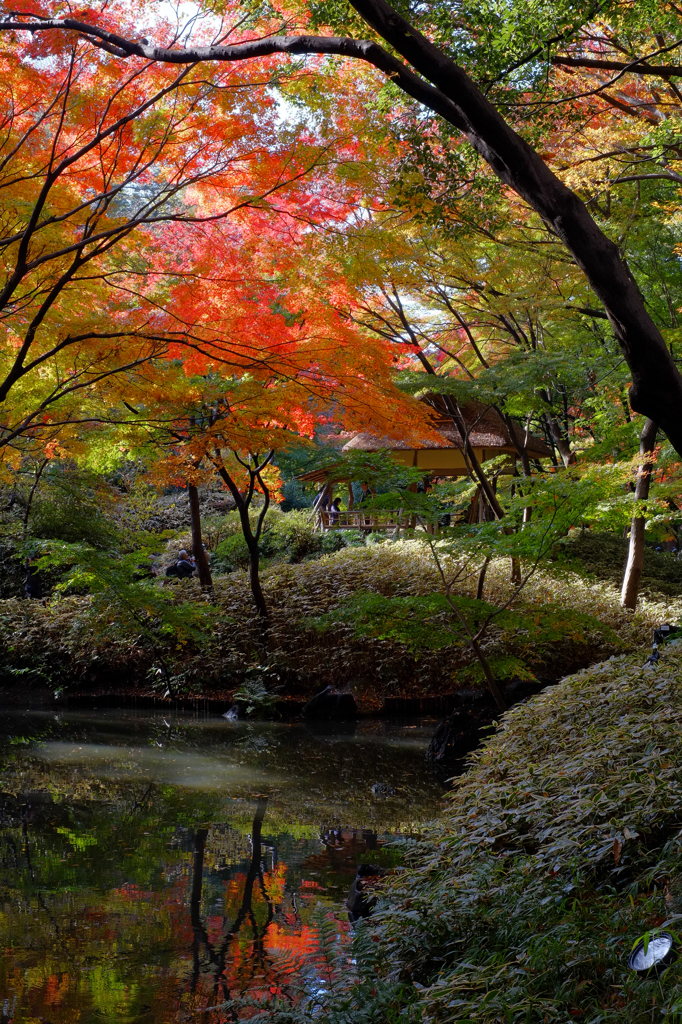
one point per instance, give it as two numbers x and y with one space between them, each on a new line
562 845
357 593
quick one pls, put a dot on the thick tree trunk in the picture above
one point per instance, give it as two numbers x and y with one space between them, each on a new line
635 562
198 549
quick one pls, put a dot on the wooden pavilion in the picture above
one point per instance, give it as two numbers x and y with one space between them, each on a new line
489 434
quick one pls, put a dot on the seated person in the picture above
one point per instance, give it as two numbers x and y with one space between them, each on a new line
182 568
334 510
32 586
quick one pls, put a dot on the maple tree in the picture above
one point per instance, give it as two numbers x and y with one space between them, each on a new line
105 183
318 369
509 334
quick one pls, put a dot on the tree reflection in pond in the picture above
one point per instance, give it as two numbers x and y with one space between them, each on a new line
144 883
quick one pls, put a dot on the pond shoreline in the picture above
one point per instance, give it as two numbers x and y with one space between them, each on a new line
286 709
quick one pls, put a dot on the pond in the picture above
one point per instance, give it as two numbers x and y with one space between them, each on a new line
154 866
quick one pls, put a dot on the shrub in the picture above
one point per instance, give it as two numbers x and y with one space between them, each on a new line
69 506
561 846
80 641
232 553
604 555
288 537
519 642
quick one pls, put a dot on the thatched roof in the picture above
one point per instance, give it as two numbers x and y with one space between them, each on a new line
487 429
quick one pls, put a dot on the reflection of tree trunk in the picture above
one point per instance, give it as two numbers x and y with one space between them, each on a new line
255 866
198 549
195 903
635 563
245 909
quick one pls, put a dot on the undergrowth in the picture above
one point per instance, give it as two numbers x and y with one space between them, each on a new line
562 845
603 555
369 615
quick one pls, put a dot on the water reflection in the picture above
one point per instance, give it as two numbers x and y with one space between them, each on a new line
152 867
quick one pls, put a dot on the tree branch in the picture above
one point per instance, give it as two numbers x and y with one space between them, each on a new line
636 68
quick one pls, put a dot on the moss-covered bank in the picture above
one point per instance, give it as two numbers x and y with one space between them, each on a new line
562 845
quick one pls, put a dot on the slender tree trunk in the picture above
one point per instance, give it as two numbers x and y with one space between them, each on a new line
489 677
470 455
197 543
470 458
481 578
29 500
251 538
254 579
560 443
254 560
633 570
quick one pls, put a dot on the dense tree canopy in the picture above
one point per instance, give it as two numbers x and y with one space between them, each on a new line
433 78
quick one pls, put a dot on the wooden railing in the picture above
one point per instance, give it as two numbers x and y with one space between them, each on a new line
358 519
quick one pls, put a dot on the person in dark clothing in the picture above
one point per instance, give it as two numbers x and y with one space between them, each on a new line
32 587
365 493
182 568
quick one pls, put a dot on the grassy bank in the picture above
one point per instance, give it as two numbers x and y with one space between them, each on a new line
562 845
368 618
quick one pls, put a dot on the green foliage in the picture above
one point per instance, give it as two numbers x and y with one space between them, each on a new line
136 606
115 634
604 555
253 697
68 506
522 642
287 537
232 553
561 846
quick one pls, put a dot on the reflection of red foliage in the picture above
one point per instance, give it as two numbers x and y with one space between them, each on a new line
308 890
278 939
56 988
131 891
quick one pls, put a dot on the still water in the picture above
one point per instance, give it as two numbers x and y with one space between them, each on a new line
153 867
